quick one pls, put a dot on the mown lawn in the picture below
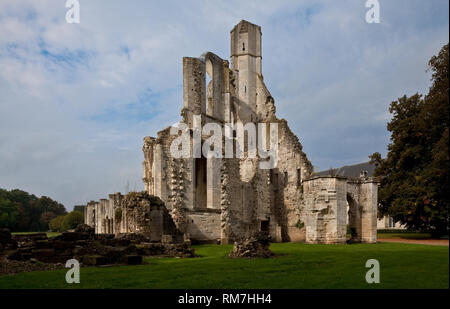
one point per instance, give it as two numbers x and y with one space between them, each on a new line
49 234
403 235
296 266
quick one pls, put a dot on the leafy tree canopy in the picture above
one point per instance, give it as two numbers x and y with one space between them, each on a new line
24 212
415 174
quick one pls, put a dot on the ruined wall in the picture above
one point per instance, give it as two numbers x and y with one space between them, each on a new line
333 202
136 212
325 210
204 226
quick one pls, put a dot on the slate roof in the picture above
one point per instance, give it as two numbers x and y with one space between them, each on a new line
350 170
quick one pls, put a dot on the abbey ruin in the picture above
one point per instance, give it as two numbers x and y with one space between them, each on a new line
213 199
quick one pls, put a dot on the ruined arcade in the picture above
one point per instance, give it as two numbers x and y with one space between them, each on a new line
212 199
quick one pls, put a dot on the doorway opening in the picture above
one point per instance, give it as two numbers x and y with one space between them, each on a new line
265 226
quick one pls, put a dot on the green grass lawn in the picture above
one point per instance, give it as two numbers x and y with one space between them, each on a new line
49 234
296 266
403 235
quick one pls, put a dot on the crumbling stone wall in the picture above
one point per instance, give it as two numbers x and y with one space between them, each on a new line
135 212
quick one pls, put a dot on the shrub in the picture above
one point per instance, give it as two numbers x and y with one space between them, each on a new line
72 220
300 224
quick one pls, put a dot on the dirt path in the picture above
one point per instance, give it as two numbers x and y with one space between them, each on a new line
433 242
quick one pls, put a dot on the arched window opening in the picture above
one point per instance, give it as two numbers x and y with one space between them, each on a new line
209 88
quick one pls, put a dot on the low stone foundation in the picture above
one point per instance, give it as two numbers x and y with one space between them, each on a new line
86 247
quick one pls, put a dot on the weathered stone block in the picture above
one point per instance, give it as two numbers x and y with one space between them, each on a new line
30 237
43 244
62 245
73 236
166 239
44 255
133 259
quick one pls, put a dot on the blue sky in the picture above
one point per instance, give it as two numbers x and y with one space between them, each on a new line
77 99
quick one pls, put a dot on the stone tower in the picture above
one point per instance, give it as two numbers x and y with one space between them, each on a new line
246 62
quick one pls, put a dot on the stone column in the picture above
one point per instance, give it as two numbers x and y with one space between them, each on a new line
98 218
194 85
159 173
213 180
369 204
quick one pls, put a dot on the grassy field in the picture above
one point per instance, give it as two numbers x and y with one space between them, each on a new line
49 234
403 235
296 266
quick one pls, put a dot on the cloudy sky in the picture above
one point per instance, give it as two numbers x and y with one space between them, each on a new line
77 99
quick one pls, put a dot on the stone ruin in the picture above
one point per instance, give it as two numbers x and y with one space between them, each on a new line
135 212
212 200
86 247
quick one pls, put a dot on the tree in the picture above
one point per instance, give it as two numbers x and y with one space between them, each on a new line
24 212
45 219
56 224
415 173
72 220
8 213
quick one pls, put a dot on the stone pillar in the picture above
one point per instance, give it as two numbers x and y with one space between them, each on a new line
103 214
213 180
98 219
194 85
147 165
159 178
227 94
369 204
189 184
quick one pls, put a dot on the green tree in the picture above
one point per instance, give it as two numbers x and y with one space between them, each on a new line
56 224
8 213
45 219
415 173
72 220
24 212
